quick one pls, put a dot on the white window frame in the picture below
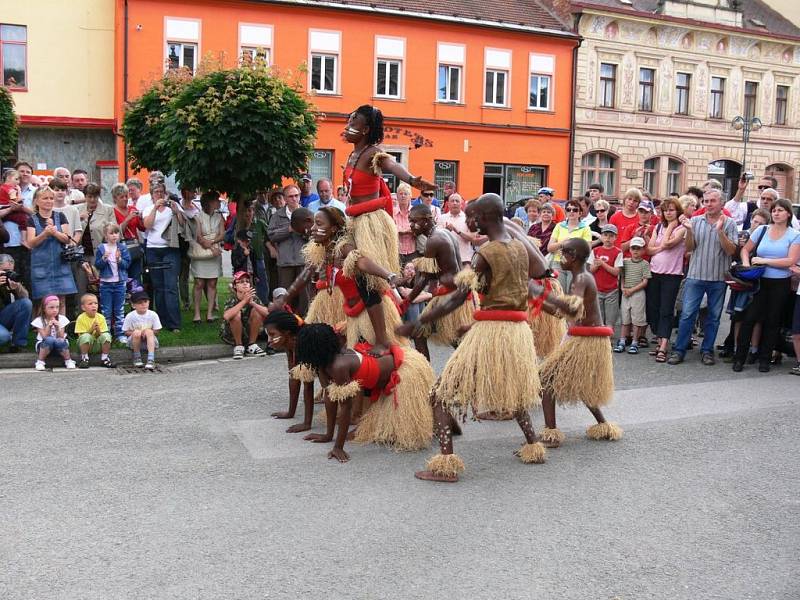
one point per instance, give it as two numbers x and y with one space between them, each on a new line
254 48
183 40
538 67
495 73
325 53
388 55
451 62
497 60
385 92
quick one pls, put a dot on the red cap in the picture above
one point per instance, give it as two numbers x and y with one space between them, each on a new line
239 275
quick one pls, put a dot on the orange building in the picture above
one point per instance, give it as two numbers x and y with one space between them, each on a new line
483 97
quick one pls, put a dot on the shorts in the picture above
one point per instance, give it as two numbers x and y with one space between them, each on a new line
634 309
95 343
796 318
144 343
227 335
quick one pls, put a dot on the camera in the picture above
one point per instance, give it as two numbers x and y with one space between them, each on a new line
747 176
72 253
11 276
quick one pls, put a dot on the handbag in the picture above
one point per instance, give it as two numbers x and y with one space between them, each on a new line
197 252
744 277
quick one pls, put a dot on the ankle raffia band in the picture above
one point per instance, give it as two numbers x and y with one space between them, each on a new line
552 435
446 465
532 453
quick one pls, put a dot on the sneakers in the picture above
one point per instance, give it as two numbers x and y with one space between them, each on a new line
70 364
108 364
123 340
150 366
634 349
83 363
39 365
137 362
255 350
795 370
620 347
238 352
675 358
708 359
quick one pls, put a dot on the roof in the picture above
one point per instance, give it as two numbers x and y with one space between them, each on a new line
754 13
522 14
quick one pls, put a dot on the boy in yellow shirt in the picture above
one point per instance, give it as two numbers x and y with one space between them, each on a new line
92 331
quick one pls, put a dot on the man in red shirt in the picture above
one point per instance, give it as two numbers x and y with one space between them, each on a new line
643 228
627 216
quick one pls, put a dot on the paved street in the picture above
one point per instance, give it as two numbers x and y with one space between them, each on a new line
179 485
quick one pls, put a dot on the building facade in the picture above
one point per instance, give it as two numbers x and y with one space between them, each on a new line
478 95
57 60
659 83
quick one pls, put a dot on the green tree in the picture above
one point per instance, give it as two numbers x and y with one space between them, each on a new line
8 125
232 130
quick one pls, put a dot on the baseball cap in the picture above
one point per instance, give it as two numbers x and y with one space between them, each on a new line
645 205
609 228
278 292
546 190
637 242
139 296
305 177
240 275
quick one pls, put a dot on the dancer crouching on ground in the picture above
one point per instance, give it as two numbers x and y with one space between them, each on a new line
476 375
581 368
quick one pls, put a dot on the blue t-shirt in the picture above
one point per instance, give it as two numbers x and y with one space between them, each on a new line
779 248
306 200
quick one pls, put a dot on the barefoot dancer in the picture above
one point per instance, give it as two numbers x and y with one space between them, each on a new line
440 264
372 229
581 368
477 374
396 383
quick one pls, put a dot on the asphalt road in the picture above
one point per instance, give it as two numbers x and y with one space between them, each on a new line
180 485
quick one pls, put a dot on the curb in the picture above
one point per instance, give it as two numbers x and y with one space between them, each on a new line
122 356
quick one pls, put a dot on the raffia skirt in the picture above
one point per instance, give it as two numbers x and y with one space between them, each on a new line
581 369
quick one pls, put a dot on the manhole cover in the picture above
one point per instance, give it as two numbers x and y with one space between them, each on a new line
131 370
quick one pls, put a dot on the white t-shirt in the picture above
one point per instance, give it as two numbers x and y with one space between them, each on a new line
149 320
73 216
38 323
163 219
145 201
459 223
75 197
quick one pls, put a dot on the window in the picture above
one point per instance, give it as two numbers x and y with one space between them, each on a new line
651 175
324 73
716 109
542 68
390 54
182 43
608 86
599 167
781 101
451 63
750 98
674 176
682 84
13 56
512 182
255 42
647 79
321 165
495 88
449 83
181 55
445 171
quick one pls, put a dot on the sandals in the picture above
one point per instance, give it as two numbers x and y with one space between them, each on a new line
661 356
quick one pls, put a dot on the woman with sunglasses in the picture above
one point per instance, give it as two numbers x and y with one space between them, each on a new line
601 208
573 227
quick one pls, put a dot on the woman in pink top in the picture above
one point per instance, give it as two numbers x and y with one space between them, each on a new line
406 239
666 248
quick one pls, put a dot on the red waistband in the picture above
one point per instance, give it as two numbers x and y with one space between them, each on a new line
321 284
369 371
500 315
443 290
368 206
586 331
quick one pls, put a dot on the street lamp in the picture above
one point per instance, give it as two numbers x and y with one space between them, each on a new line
746 126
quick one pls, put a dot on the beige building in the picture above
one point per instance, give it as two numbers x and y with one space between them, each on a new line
660 81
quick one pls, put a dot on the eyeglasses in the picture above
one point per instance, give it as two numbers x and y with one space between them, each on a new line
428 194
599 210
763 187
572 209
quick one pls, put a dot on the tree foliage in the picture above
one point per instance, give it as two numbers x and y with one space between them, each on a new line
8 124
233 130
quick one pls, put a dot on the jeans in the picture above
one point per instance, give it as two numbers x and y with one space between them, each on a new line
53 343
662 292
767 307
164 279
693 292
15 319
262 281
112 305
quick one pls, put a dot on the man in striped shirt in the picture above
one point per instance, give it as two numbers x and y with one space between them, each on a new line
712 240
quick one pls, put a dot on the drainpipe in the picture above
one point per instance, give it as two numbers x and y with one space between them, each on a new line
125 86
572 115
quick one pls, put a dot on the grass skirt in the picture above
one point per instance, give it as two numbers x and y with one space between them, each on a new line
580 370
327 308
445 331
494 368
409 425
360 328
375 236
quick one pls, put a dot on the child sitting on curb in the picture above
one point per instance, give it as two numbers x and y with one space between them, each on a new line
92 331
243 317
51 335
142 324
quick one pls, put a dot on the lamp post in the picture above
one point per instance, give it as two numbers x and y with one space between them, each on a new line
746 125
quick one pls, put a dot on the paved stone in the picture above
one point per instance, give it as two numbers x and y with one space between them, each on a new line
180 485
